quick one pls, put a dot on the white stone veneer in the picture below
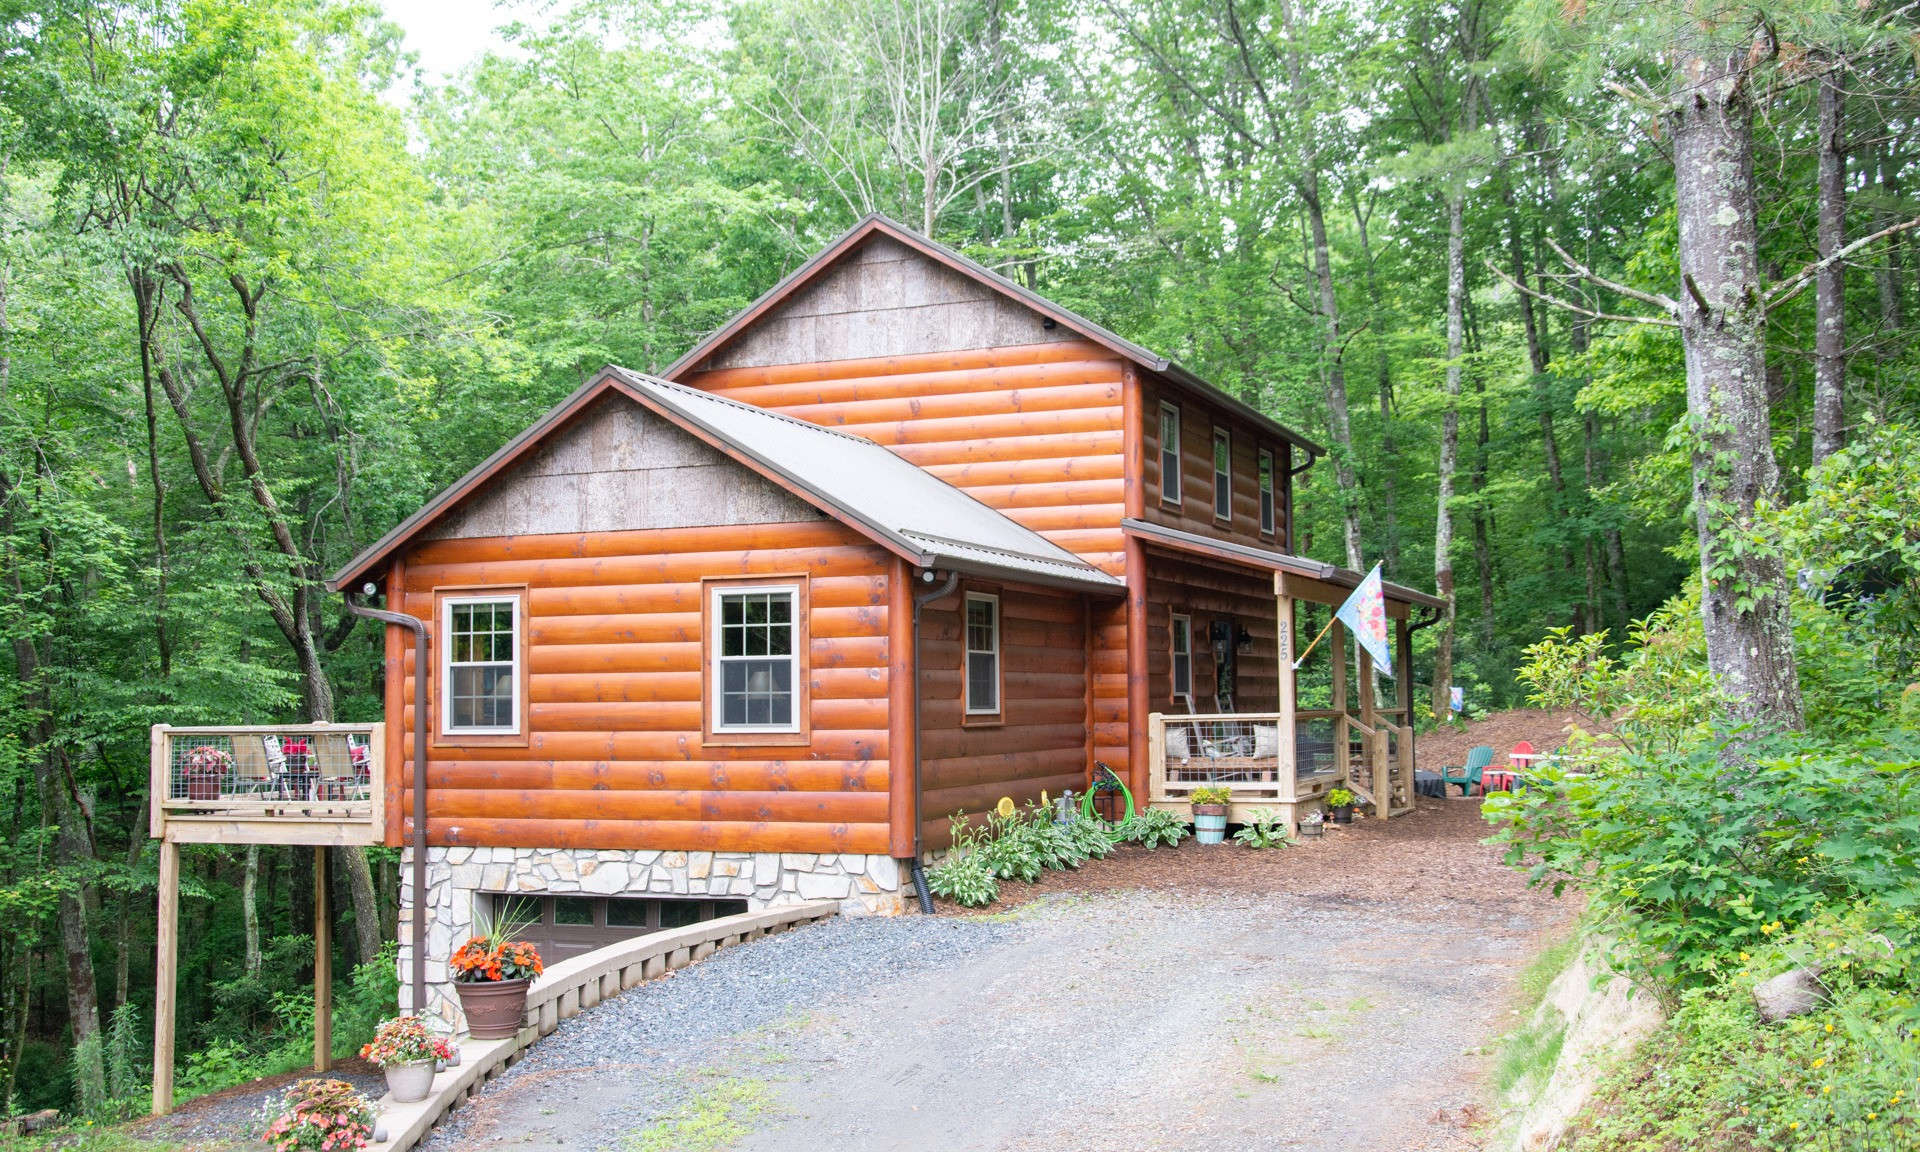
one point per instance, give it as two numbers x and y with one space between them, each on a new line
864 885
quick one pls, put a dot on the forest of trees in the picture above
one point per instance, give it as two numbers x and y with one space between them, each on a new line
1572 292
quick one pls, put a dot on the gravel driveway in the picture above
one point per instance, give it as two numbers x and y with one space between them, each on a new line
1333 996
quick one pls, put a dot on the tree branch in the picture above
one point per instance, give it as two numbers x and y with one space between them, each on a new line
1790 287
1577 309
1664 303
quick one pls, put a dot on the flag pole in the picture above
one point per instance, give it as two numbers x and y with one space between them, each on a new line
1323 631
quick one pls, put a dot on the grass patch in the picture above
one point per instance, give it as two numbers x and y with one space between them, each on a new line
717 1117
1540 971
1528 1055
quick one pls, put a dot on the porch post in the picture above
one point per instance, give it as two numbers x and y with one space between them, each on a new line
1288 702
322 967
1403 696
165 961
1376 763
1342 735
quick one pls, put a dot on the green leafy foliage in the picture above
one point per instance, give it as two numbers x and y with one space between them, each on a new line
1154 828
1264 829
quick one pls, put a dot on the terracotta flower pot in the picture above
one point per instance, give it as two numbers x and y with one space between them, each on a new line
494 1008
407 1083
203 786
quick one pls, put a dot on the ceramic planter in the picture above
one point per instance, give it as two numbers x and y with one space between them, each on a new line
1210 823
203 786
407 1083
494 1008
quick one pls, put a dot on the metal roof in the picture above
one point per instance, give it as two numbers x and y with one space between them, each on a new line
934 522
876 223
1277 561
910 511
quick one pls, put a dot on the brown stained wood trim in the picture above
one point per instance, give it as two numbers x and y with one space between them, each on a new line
1134 446
901 736
399 738
998 717
803 671
436 656
1137 698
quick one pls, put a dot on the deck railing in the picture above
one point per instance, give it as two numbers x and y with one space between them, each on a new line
269 784
1241 752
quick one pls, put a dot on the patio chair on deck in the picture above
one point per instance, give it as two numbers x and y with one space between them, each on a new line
1468 777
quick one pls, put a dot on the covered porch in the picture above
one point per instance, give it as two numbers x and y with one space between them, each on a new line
1279 738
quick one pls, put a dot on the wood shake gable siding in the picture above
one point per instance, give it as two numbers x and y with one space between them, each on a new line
613 528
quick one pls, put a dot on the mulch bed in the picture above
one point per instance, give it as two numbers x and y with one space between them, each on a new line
221 1120
1424 859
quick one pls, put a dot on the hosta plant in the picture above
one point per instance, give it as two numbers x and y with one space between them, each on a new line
1264 829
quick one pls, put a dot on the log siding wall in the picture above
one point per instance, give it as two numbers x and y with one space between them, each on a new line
1195 512
1208 593
1038 741
615 758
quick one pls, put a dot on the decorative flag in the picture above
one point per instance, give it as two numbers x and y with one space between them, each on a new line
1365 615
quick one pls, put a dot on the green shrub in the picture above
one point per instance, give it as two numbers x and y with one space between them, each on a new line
1696 856
1841 1079
1211 794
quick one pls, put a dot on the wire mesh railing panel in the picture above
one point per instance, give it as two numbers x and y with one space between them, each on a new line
253 768
1313 746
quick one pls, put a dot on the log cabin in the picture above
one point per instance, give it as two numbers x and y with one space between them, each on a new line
899 540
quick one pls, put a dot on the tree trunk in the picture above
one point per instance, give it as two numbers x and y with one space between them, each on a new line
1887 277
1383 476
1829 284
1449 448
1723 333
352 863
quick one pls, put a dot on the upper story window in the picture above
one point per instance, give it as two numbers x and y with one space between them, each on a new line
1169 453
1267 511
1222 474
1182 647
983 654
756 670
482 665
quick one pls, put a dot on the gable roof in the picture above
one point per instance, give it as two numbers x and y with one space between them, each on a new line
880 225
907 510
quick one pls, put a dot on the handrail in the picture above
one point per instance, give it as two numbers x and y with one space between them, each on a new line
1218 717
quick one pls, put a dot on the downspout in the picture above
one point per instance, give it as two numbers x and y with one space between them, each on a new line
418 977
921 600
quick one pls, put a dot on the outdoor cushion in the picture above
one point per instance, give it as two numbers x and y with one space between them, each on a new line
1266 741
1178 747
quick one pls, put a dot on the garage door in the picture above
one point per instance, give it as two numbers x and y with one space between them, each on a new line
572 925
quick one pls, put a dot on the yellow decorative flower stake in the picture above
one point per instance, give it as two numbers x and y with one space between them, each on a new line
1006 806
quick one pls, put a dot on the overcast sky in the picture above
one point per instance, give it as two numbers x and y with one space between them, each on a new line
448 33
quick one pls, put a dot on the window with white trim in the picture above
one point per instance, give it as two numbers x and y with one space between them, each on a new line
1222 475
1267 511
983 654
756 662
481 668
1182 657
1169 453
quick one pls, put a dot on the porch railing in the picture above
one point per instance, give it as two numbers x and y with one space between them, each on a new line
269 784
1242 752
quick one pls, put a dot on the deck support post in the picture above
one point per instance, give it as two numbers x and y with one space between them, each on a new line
165 965
322 967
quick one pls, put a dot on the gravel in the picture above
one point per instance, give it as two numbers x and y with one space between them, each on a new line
1341 995
233 1115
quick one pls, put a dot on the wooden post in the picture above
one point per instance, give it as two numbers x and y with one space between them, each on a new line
322 967
1403 655
1376 774
165 963
1342 735
1289 688
1156 760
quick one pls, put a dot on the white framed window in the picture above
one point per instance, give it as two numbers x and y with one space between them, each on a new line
1267 510
1222 474
755 658
1169 453
1182 648
481 665
983 654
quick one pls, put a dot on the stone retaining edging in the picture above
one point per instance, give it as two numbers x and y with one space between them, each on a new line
570 987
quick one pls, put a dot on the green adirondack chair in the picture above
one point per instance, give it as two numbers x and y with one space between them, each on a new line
1469 777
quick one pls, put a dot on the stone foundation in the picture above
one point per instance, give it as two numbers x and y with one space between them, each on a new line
864 885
